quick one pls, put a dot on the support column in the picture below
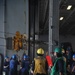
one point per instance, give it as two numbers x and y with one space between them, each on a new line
2 28
32 28
29 28
53 24
5 23
50 24
36 25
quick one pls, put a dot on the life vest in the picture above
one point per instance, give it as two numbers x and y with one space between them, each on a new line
54 71
40 65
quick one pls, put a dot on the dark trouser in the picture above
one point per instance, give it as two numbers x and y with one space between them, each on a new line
40 74
24 73
19 72
6 71
13 72
68 73
73 73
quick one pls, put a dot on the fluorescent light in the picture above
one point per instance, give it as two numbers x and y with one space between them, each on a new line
61 18
69 7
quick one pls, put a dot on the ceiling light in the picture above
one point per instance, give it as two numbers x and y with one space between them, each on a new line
69 7
61 18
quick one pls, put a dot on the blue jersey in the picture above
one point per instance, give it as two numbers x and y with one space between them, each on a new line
73 65
26 65
6 64
59 66
13 64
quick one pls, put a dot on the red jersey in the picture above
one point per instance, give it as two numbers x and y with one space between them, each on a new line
49 60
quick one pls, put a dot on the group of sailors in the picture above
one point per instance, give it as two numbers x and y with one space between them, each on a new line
10 66
61 65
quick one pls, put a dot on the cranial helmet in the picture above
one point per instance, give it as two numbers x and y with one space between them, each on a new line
6 57
40 51
58 50
25 56
14 56
73 56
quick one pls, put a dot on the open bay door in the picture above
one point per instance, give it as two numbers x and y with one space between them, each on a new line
1 63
